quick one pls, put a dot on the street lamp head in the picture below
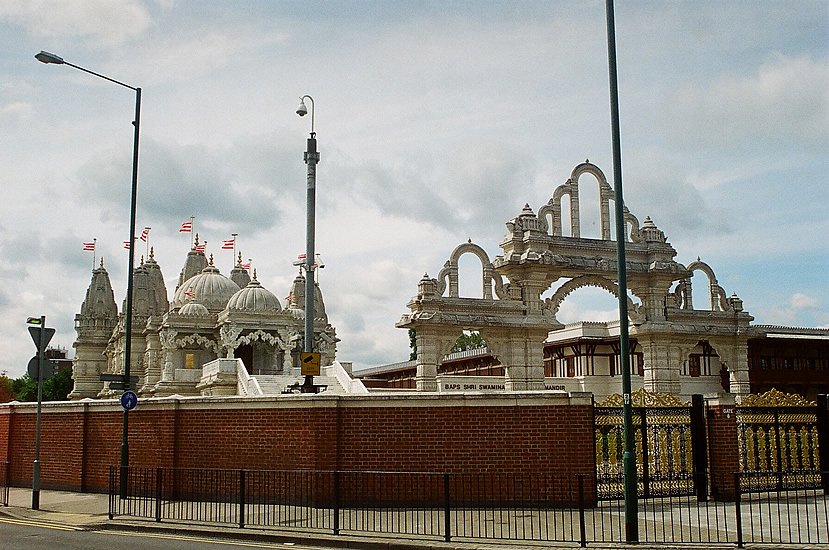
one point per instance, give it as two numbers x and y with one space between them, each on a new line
46 57
302 110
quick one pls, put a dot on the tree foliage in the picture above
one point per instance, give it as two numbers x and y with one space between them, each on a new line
468 340
24 389
6 392
413 344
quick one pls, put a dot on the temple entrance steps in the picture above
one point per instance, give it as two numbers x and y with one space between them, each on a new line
274 384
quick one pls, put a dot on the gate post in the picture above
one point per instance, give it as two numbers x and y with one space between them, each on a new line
723 447
242 499
700 448
646 474
823 437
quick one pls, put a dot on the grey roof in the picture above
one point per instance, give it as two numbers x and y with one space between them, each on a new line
209 287
254 298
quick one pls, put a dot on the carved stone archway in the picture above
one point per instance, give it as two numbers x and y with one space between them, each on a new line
513 317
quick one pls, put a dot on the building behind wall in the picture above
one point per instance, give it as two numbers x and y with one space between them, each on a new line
676 346
211 317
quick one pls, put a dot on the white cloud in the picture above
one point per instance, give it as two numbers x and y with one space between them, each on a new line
436 123
803 301
785 99
107 21
18 110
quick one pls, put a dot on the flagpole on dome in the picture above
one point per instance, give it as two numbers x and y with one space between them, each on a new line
192 229
94 252
145 236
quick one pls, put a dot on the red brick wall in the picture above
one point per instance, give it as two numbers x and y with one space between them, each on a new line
5 419
460 439
79 441
723 455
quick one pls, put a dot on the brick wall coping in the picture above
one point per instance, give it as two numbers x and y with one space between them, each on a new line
397 400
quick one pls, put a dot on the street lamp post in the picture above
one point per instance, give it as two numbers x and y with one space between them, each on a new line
312 157
46 57
629 456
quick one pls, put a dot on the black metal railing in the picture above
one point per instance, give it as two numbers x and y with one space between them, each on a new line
796 512
507 506
4 484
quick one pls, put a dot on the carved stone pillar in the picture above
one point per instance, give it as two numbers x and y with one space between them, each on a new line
168 346
87 367
153 358
521 352
431 347
738 371
661 369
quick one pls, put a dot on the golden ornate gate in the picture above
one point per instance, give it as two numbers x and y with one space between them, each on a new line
664 445
778 434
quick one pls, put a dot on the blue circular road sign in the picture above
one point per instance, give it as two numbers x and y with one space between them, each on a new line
129 400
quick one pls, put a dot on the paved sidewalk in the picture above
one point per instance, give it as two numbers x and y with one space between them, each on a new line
90 511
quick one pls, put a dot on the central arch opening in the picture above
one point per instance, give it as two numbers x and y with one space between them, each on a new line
587 304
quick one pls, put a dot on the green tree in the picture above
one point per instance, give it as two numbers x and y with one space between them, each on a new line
468 340
25 388
6 392
57 388
413 344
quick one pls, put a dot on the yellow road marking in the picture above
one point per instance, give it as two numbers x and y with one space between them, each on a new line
44 525
211 540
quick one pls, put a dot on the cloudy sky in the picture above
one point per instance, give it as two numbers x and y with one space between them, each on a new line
437 122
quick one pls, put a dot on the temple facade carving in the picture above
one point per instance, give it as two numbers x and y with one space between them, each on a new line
520 326
210 318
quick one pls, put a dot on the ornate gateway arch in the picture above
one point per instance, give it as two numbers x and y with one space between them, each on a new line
515 321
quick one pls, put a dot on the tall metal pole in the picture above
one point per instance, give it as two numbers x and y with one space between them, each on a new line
312 157
125 449
629 457
50 58
36 466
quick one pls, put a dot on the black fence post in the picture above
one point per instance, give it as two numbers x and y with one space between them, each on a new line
447 507
737 509
582 527
823 438
6 484
241 499
158 485
700 447
111 511
646 476
780 442
336 502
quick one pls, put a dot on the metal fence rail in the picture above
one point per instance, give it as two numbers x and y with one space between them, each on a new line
796 512
506 506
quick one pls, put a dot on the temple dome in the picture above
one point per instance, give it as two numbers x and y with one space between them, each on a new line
254 298
211 287
193 309
100 300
